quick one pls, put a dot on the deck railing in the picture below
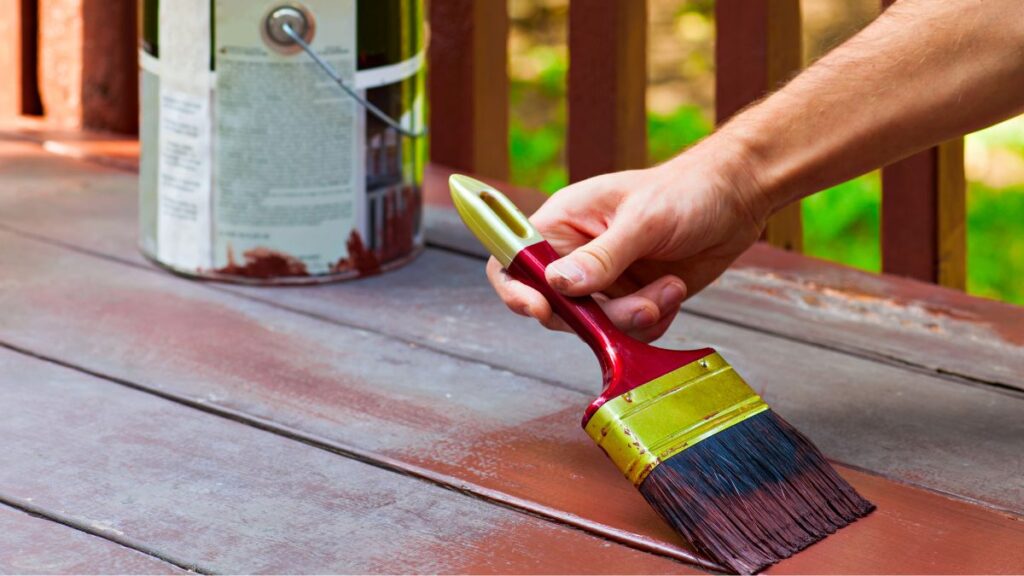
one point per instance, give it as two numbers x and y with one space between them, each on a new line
76 59
757 47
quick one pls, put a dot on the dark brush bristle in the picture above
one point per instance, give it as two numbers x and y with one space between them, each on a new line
753 494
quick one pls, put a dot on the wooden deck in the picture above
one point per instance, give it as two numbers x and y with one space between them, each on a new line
157 424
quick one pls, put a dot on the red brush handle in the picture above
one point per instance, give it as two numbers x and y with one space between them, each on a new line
583 315
625 363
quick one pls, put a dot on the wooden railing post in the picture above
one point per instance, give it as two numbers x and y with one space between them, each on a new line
18 30
924 215
757 47
607 86
467 79
924 211
88 72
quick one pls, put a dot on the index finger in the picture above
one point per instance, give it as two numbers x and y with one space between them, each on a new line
519 297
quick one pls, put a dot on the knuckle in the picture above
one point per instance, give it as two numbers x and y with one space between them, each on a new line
601 255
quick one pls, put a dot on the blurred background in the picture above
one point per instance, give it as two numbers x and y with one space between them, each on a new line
840 224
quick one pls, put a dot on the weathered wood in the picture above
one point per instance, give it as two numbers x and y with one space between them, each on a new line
33 545
225 497
304 378
18 79
924 216
88 74
468 85
607 86
481 429
757 48
443 303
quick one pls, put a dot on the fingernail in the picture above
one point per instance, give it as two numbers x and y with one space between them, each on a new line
672 294
644 318
569 272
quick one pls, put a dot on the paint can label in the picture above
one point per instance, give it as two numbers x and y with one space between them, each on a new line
263 168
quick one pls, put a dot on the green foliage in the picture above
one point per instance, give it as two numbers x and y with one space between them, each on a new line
842 223
667 134
537 156
995 245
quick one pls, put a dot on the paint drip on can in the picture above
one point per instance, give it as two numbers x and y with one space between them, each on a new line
279 138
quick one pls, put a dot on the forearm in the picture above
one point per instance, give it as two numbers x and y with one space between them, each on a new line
925 71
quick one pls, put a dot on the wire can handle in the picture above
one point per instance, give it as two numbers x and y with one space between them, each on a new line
280 30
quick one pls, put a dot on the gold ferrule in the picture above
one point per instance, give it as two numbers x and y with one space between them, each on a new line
492 218
652 423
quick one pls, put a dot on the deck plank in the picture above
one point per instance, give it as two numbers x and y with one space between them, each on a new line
224 497
475 427
33 545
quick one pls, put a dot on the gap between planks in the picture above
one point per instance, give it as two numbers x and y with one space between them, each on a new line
467 489
78 526
494 496
855 351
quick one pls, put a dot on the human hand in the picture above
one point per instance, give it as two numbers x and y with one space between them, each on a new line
642 241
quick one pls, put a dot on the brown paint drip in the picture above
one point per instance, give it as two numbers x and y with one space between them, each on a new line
359 257
263 262
400 213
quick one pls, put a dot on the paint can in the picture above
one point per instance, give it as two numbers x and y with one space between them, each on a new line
280 139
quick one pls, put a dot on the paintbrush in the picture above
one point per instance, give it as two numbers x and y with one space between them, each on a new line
737 481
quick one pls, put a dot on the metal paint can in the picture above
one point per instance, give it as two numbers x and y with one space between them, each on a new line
256 166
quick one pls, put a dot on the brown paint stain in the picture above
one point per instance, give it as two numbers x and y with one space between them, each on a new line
359 258
551 462
263 262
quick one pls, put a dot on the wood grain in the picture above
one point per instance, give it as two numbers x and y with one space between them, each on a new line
757 49
607 87
467 81
221 496
34 545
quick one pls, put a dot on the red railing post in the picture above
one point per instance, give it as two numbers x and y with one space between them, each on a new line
757 48
18 84
467 81
607 86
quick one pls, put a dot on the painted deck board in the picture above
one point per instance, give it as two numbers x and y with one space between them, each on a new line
441 302
224 497
460 422
33 545
341 387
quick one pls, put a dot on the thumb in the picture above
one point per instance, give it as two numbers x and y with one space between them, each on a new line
598 263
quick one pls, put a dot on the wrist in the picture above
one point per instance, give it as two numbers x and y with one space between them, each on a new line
731 170
750 166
